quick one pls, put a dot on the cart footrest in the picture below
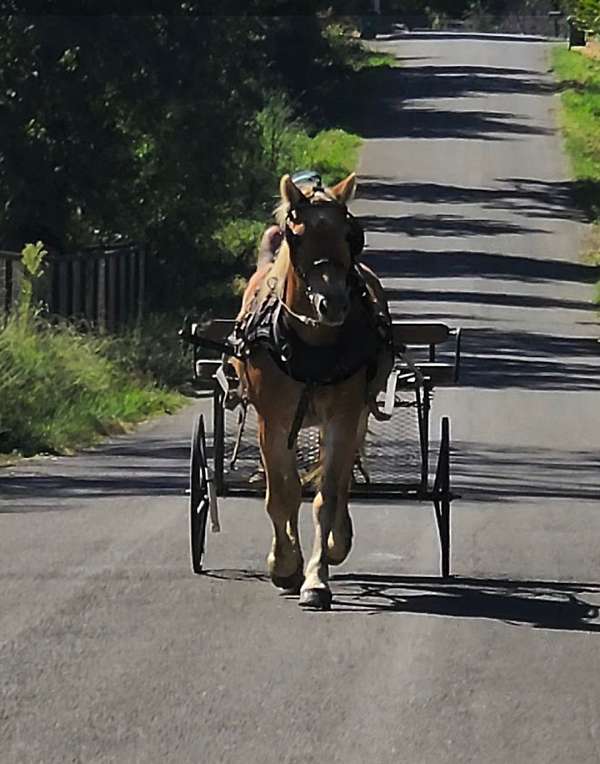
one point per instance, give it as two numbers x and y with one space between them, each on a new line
206 368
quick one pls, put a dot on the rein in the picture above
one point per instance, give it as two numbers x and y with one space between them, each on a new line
306 320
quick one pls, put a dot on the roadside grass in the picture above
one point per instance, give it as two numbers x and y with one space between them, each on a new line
287 144
378 60
579 77
60 389
152 352
350 50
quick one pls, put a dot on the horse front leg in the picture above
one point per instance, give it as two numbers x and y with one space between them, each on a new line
333 527
283 497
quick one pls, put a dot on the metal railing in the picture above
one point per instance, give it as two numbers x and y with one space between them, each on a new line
103 285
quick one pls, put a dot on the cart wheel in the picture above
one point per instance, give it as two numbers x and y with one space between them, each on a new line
442 497
199 494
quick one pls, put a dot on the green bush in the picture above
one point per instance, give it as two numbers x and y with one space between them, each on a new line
152 351
145 127
59 389
284 145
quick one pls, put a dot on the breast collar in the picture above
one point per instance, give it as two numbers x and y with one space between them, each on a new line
357 345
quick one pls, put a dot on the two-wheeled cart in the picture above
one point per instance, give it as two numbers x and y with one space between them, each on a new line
396 460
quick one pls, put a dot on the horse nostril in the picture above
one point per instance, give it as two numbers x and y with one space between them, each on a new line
321 305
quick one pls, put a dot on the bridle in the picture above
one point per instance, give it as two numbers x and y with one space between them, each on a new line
355 238
356 235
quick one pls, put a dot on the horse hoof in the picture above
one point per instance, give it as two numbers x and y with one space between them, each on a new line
289 584
315 599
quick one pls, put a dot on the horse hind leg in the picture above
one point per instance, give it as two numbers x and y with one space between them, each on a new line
339 541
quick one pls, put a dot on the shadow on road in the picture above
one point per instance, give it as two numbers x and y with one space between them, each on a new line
150 467
555 605
487 298
394 108
427 264
541 604
502 474
439 81
442 225
535 361
491 38
552 200
401 121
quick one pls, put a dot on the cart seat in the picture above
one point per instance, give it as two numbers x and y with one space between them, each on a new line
405 334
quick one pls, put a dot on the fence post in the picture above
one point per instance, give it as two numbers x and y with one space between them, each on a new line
133 254
111 316
16 280
90 292
63 287
123 288
141 282
101 292
3 305
76 291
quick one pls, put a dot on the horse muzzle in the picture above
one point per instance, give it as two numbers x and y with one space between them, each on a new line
331 311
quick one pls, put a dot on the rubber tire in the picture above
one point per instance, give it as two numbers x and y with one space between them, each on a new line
199 495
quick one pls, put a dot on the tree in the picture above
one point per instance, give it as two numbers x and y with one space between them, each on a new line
586 14
144 127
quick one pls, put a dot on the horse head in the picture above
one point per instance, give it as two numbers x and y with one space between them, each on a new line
321 236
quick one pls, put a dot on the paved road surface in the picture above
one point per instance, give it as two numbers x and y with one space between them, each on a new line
111 651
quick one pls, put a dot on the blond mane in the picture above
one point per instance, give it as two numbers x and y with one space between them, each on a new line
274 280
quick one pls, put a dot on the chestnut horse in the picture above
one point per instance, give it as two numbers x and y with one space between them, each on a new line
333 316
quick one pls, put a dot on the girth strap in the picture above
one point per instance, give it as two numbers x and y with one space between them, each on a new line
301 410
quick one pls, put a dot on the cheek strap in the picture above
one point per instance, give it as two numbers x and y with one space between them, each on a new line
356 237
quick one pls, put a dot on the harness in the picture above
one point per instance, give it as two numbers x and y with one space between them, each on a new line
269 325
357 345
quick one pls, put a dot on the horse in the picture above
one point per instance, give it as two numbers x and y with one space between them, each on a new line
314 333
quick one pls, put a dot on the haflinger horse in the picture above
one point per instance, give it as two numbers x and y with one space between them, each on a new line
314 348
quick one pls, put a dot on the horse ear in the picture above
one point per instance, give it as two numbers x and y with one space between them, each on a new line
290 193
344 191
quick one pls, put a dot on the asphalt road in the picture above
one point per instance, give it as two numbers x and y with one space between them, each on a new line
111 651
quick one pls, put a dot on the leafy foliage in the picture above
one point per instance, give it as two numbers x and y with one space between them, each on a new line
586 13
145 127
32 258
